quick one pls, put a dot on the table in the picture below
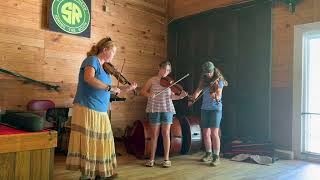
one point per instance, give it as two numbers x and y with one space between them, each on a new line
26 155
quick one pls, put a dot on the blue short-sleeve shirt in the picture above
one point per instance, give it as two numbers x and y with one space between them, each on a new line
91 97
211 104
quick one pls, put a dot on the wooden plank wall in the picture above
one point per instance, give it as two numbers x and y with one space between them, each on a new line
282 66
139 28
282 54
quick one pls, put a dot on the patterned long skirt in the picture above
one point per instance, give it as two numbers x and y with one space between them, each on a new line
91 145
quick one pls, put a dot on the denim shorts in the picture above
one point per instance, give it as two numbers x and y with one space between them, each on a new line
161 118
210 118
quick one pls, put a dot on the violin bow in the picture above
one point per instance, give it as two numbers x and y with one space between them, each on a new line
218 78
124 60
172 84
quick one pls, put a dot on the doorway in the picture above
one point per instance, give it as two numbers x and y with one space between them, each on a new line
306 88
311 96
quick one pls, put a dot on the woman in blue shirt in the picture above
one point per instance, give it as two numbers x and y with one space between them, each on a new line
91 146
211 85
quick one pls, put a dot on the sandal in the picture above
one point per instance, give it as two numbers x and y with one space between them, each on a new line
150 163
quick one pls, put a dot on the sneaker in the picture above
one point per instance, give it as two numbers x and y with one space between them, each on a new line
150 163
207 157
166 163
215 160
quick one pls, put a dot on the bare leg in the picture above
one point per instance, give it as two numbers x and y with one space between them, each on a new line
154 132
215 146
166 139
207 139
215 140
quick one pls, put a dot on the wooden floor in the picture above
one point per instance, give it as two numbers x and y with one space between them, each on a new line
188 167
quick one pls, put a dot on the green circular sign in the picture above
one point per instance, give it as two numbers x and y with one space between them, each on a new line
72 16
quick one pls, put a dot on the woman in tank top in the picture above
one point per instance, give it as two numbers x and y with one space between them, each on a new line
160 111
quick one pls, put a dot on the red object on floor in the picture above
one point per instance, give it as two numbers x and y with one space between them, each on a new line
6 130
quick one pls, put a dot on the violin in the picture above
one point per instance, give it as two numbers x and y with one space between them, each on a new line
168 81
110 69
212 87
217 77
